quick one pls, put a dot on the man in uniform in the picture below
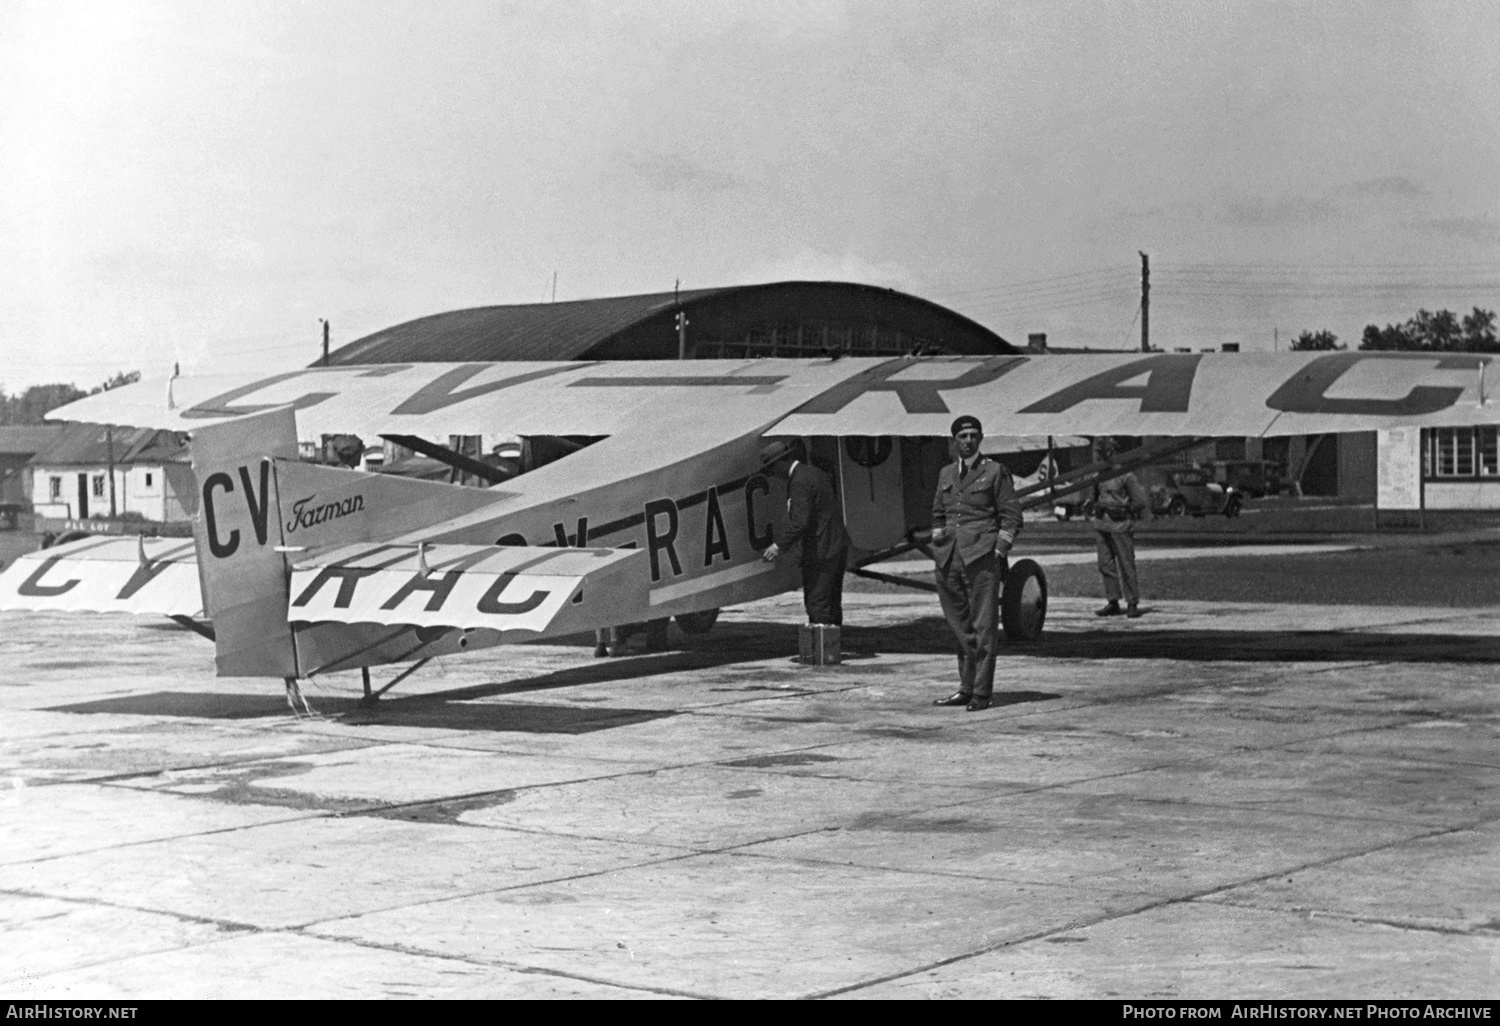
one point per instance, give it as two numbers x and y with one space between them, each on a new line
1118 504
814 527
975 520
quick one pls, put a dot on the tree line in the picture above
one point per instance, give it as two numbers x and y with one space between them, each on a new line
30 406
1443 332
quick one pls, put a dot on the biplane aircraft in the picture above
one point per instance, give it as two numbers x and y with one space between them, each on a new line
662 507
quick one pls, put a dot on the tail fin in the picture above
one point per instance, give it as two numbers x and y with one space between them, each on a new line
244 577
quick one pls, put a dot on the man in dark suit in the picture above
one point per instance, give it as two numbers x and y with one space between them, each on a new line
975 520
813 528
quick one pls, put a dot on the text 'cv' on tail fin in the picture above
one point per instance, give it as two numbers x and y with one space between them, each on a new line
238 532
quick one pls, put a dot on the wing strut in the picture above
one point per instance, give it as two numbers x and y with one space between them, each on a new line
1047 492
457 460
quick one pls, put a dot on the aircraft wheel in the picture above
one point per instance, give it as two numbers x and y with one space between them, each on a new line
697 623
1023 602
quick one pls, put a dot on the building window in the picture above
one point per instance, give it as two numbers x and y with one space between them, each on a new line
54 488
148 479
1461 453
815 339
98 486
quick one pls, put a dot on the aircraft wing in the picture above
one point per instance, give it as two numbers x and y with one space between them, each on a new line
1192 394
1182 394
435 400
109 575
518 588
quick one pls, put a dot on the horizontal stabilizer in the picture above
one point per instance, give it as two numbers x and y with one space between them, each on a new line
107 575
517 588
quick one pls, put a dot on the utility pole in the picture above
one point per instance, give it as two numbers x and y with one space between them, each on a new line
109 443
1145 302
681 321
554 286
325 341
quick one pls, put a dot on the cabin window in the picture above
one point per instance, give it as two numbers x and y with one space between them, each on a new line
1461 452
148 479
54 488
98 486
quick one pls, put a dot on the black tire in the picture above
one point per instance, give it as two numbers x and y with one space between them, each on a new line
697 623
1023 602
1232 507
1177 507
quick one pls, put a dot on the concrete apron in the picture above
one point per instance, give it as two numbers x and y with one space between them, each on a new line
1220 799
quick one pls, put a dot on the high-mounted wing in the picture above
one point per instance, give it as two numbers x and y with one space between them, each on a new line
1196 394
109 575
1184 394
439 399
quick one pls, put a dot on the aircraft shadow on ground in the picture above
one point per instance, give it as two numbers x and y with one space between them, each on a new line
441 711
461 708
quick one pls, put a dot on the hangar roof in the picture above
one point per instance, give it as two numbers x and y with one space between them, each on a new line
622 326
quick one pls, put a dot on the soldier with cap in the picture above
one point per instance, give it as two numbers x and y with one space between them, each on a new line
1118 503
813 527
975 520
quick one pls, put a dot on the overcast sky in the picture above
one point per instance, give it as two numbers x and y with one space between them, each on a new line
200 182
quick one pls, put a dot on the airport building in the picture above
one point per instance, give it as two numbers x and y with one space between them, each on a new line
792 319
91 471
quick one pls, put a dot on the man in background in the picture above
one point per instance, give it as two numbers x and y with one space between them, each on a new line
1118 503
813 528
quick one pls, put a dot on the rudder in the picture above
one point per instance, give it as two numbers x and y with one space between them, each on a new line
244 577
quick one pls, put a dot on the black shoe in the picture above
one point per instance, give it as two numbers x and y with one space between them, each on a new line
979 705
958 698
1133 612
1109 609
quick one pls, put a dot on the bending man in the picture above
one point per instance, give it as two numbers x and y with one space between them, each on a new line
813 528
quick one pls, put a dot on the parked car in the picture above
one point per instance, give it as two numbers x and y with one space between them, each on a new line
1195 491
1251 478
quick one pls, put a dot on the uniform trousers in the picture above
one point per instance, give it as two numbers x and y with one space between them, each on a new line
823 589
970 596
1117 565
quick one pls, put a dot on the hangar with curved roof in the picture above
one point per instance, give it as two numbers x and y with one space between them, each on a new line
795 318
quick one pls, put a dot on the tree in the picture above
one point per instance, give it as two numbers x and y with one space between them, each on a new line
1316 340
119 378
1437 332
32 405
1479 331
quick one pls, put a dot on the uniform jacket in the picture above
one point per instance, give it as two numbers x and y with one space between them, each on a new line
979 506
1126 499
814 524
